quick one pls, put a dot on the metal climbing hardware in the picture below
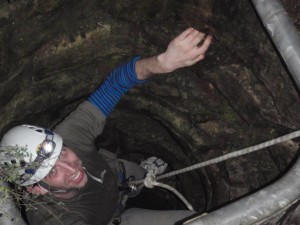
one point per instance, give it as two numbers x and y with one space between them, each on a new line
127 186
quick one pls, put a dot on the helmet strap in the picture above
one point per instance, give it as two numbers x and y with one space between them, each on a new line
55 190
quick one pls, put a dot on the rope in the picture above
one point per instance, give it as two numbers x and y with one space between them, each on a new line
150 181
227 156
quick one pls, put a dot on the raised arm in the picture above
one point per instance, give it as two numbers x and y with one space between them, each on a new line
185 50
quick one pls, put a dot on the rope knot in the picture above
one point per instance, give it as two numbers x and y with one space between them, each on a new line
150 180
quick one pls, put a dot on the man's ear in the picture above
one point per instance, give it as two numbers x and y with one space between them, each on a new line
36 189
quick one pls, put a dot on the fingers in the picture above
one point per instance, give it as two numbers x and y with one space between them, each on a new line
200 50
200 42
203 47
193 37
186 49
185 33
198 58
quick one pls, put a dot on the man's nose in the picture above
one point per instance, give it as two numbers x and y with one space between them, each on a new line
68 167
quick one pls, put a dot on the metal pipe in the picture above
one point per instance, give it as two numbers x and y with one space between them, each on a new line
283 33
284 192
258 206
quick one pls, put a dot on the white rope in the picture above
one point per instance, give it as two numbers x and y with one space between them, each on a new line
228 156
234 154
150 181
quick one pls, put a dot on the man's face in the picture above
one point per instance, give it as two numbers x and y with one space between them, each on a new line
67 171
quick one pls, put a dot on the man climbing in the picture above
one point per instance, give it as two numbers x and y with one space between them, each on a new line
72 183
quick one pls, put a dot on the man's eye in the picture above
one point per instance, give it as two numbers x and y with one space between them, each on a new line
62 153
51 173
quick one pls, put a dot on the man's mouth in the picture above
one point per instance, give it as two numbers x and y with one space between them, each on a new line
78 176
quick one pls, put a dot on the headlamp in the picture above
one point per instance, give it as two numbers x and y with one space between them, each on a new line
47 146
44 151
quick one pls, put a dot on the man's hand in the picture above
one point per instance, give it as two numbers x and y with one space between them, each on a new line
185 50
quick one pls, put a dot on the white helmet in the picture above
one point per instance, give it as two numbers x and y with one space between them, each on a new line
41 150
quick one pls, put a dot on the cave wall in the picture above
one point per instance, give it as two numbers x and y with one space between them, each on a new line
55 53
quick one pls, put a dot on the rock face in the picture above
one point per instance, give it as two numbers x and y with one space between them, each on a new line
55 53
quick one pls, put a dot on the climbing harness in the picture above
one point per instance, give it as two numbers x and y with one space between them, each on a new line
150 181
125 192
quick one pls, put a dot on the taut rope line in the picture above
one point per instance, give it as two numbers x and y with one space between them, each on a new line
150 181
228 156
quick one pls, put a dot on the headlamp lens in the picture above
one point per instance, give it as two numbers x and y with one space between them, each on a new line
47 148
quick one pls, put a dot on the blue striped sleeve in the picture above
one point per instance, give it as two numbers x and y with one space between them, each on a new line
119 81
